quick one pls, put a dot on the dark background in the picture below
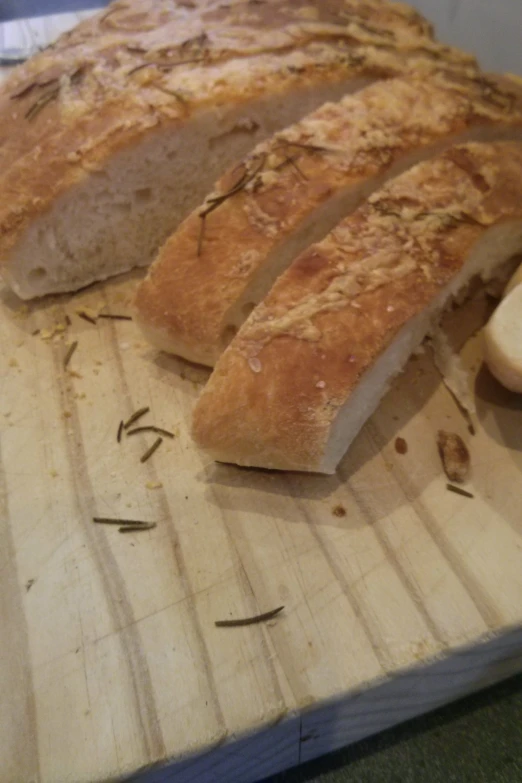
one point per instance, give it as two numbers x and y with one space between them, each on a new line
475 740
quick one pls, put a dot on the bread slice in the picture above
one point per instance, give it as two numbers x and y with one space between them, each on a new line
313 360
296 187
111 136
503 341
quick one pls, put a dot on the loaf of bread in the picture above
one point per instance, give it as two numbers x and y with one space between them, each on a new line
291 190
312 361
111 136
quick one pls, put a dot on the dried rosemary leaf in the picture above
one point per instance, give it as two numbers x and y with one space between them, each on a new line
86 316
151 428
68 356
155 446
115 316
259 618
41 103
31 86
215 201
136 528
135 416
163 65
114 521
302 146
459 491
172 93
120 431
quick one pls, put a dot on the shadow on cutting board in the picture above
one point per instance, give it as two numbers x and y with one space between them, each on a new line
372 474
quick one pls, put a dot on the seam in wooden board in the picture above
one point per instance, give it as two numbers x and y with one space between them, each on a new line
175 544
15 597
117 601
484 606
375 639
262 629
295 684
391 556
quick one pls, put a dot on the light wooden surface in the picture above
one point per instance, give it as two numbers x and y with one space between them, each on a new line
110 661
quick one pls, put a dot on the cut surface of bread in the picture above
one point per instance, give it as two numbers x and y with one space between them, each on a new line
515 280
293 189
111 136
313 360
503 341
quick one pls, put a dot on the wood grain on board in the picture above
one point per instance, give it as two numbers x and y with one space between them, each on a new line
399 595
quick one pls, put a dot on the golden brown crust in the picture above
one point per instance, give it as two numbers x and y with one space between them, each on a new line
143 63
203 270
276 391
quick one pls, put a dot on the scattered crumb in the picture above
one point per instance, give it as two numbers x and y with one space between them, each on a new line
89 312
13 362
80 396
46 334
339 511
67 414
154 485
401 447
53 473
29 584
320 384
74 374
454 455
98 362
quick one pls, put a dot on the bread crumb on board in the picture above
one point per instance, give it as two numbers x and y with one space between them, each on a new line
154 485
339 511
401 446
454 455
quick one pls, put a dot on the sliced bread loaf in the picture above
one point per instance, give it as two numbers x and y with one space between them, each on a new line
290 191
111 136
313 360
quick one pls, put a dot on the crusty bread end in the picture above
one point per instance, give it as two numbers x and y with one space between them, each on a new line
503 341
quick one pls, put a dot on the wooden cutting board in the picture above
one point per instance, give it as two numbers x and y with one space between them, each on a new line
399 596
